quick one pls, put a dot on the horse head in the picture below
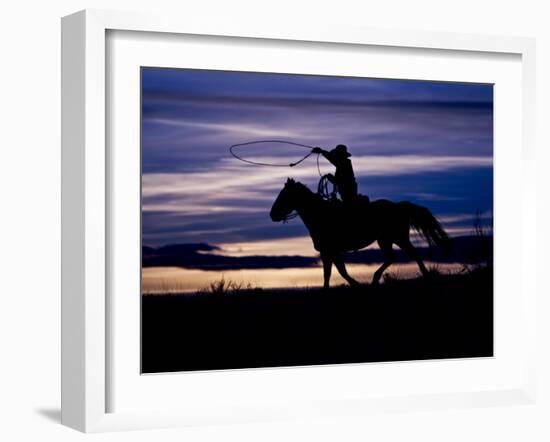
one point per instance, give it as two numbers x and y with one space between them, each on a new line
285 202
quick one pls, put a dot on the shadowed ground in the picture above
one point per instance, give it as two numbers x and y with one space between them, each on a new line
446 316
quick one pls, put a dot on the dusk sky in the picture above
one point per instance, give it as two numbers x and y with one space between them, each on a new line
427 142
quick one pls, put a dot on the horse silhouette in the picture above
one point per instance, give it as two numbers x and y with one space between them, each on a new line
336 228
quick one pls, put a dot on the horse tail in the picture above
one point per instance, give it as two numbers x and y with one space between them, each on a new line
427 226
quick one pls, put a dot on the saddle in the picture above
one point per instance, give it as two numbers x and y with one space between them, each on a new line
363 199
359 200
355 208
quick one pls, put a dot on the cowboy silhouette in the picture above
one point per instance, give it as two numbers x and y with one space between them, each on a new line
344 178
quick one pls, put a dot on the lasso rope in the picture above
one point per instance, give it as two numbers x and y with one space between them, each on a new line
258 163
323 184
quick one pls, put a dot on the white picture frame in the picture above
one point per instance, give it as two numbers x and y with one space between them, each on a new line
86 205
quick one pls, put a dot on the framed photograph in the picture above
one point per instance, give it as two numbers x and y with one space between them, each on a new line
267 222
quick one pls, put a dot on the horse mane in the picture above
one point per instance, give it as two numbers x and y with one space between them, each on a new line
303 188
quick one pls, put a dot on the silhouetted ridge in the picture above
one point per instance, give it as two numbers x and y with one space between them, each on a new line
186 248
196 256
465 249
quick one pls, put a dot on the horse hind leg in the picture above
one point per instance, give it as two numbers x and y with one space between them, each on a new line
341 267
387 251
410 250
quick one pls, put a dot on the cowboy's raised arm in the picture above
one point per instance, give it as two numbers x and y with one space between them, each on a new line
325 153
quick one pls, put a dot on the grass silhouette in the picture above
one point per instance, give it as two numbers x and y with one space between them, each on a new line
436 317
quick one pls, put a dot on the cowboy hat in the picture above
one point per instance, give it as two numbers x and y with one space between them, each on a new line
341 150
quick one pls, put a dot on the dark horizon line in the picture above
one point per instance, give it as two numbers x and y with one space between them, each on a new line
470 249
212 246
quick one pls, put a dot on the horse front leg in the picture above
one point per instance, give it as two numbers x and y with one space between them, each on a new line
327 269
